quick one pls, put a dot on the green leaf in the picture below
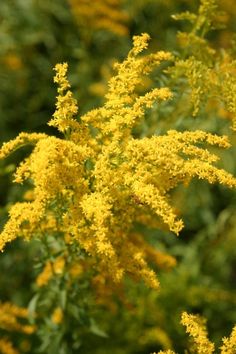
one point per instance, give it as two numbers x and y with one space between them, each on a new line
63 298
32 308
95 329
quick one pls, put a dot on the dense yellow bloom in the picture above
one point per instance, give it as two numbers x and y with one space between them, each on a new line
21 140
52 160
229 344
57 316
13 319
9 318
50 269
101 14
6 347
97 183
195 326
66 105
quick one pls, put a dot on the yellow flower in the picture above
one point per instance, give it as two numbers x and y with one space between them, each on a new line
6 347
195 326
57 316
229 344
51 269
101 14
10 316
66 105
99 181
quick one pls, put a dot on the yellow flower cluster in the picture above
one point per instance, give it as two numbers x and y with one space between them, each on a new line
57 316
210 73
99 181
195 326
66 105
50 269
9 318
216 82
6 347
160 259
22 140
101 14
54 166
229 344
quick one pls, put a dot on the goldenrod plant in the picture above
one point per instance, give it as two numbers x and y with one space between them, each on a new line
196 328
11 317
210 73
97 176
90 187
101 192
